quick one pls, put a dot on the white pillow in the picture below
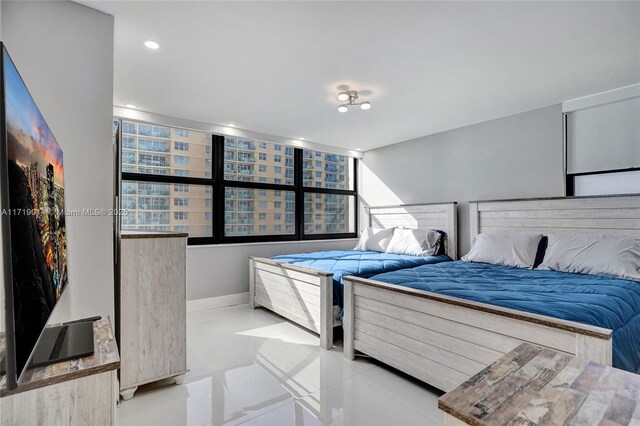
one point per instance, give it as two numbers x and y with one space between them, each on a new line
509 249
593 254
375 239
415 242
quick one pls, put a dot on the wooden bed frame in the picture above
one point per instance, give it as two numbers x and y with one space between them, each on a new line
305 295
442 340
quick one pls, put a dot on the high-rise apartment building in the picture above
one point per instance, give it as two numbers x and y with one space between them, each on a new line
188 207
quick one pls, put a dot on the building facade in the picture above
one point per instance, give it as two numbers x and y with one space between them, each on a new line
161 150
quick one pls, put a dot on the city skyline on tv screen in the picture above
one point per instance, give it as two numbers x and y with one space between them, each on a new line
36 202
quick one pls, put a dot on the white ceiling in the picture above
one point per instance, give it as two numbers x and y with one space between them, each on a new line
274 67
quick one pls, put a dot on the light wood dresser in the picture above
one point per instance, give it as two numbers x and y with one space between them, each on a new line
532 385
81 391
151 308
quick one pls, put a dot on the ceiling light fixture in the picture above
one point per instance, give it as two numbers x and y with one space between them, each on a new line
151 44
231 125
131 106
351 96
300 139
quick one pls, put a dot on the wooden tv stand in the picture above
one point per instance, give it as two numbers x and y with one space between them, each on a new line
81 391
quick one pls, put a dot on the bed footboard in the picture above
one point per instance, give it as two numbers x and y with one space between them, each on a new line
302 295
443 340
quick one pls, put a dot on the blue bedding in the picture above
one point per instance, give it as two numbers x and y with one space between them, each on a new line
359 263
597 300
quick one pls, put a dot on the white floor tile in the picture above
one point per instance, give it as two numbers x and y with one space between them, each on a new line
255 368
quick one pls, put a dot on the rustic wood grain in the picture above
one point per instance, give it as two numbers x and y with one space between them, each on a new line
152 310
437 216
533 385
105 358
615 215
75 392
297 292
574 327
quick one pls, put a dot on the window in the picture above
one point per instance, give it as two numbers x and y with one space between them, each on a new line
232 189
181 146
180 201
267 208
602 142
181 159
333 216
240 158
162 188
150 207
242 209
148 149
336 172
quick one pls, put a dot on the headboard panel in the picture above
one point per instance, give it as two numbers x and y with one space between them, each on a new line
440 216
615 215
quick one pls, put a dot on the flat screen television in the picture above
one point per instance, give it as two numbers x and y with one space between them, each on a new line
33 219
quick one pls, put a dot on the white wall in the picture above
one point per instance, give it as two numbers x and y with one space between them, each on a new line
64 52
222 270
513 157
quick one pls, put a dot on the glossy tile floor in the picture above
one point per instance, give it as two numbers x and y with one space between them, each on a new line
253 367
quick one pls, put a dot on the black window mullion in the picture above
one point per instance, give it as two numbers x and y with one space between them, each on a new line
299 188
144 177
259 185
218 188
218 184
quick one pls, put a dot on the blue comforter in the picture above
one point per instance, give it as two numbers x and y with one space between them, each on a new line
359 263
597 300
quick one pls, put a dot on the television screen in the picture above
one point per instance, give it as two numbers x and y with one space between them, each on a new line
35 183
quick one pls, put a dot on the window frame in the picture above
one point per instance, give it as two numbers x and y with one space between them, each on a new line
218 185
569 178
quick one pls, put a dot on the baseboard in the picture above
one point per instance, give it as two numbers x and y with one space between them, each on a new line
217 302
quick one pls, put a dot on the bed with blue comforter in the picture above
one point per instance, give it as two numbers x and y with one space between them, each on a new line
359 263
596 300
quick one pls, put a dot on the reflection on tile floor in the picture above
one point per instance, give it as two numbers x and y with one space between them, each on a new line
256 368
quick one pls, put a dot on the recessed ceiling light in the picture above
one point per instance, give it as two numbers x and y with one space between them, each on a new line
132 106
231 125
151 44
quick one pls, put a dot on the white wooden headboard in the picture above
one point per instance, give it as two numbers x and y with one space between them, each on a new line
615 215
440 216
